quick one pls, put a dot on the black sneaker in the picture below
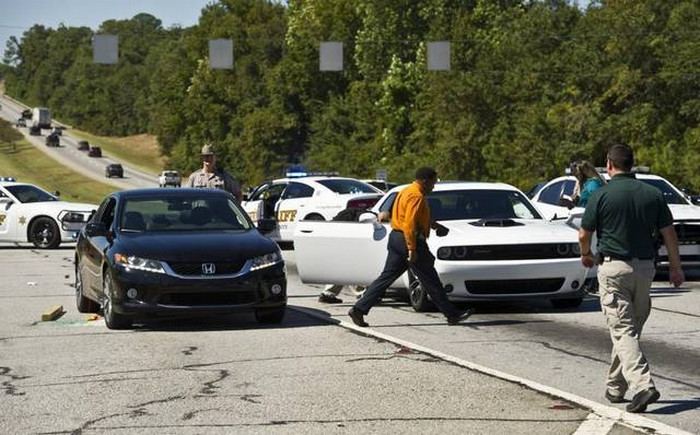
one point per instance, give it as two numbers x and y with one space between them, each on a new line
325 298
613 398
642 399
357 317
456 320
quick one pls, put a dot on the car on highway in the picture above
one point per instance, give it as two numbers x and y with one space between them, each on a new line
27 114
289 200
499 248
52 140
183 252
114 170
58 131
83 145
20 123
169 178
686 215
34 130
31 214
95 152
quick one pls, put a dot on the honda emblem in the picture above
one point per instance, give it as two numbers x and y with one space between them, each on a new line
208 268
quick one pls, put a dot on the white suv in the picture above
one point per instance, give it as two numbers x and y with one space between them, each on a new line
169 178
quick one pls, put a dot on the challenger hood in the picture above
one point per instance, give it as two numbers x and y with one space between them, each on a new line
684 212
524 232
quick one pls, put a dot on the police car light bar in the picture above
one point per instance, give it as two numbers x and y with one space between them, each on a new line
311 174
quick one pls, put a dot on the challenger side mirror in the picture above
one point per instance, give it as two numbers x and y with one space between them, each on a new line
96 229
266 225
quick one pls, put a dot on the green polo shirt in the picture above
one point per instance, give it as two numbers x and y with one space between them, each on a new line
627 214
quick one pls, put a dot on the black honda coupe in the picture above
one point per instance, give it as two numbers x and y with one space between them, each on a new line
183 252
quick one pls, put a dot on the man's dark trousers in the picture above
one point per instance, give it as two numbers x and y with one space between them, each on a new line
396 264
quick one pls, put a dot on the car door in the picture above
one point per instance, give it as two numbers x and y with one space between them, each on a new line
6 204
335 252
292 207
93 258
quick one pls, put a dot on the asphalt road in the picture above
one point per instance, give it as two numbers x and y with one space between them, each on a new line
310 375
68 155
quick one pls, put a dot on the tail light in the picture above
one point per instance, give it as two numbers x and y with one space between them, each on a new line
362 202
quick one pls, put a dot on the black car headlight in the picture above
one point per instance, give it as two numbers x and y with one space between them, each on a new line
73 220
453 253
138 263
266 260
568 250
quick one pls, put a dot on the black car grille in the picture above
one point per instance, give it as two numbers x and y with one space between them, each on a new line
208 298
514 286
687 233
517 252
195 269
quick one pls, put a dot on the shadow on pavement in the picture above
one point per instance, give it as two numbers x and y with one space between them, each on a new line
676 406
237 321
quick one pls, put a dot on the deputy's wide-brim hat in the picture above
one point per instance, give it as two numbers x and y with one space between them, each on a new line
208 150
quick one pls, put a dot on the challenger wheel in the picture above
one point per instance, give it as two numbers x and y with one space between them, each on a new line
44 234
113 320
418 297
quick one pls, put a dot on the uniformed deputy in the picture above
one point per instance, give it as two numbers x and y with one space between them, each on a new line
212 177
628 215
407 248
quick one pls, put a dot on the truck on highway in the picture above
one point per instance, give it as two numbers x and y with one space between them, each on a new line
41 117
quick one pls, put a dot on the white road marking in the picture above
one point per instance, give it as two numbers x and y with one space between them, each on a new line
615 415
595 425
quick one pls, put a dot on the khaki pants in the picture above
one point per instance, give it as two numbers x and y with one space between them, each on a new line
625 302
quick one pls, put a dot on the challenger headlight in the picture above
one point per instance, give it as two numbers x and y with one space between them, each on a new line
266 260
138 263
444 253
453 253
568 250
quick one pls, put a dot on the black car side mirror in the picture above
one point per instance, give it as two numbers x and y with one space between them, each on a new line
266 225
96 229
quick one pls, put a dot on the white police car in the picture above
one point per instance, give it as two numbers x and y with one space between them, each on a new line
686 215
30 214
499 248
289 200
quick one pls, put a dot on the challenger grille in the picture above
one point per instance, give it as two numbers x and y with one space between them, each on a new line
514 286
688 233
195 269
518 252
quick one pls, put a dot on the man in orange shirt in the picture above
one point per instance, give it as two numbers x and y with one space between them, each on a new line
407 248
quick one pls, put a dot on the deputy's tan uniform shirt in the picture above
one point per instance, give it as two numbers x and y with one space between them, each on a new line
215 180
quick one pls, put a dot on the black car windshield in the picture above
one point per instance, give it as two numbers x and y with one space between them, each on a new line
480 204
183 214
26 193
347 186
670 194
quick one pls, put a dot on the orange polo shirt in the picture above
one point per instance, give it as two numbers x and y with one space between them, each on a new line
411 214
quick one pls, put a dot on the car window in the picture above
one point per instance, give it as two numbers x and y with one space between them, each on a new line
178 213
388 203
569 186
26 193
480 204
551 194
107 216
670 194
347 186
258 193
298 190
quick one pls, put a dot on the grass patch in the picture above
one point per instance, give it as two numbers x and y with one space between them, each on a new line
140 151
29 165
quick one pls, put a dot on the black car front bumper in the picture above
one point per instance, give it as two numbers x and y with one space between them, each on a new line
162 295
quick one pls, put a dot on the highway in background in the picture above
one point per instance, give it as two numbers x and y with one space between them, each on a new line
69 155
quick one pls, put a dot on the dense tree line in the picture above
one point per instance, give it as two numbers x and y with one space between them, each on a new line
533 85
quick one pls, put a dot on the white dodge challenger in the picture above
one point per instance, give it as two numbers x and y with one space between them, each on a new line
31 214
498 248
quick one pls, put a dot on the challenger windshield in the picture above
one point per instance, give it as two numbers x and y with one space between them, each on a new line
480 204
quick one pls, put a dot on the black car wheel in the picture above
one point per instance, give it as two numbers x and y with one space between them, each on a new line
43 233
418 297
270 315
113 320
84 304
314 217
566 303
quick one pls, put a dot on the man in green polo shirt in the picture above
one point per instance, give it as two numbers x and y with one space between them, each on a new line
628 215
